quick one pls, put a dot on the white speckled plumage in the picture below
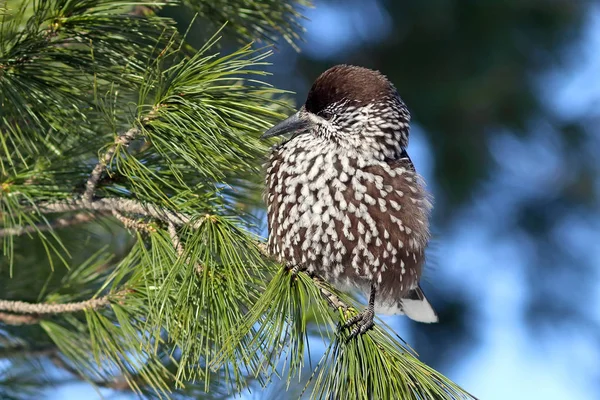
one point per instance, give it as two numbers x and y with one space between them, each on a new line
343 197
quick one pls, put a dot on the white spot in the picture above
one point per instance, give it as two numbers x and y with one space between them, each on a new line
361 228
370 200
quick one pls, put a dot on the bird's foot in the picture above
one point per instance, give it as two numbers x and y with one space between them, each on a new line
361 323
294 270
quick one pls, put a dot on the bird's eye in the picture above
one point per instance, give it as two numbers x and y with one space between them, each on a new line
325 114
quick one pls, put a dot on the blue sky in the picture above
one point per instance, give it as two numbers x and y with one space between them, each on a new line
509 363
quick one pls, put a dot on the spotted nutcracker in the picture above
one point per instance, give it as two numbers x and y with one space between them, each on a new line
343 198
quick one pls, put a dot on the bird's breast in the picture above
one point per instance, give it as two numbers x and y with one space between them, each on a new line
346 216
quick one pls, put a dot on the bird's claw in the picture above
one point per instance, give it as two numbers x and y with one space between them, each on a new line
296 269
361 322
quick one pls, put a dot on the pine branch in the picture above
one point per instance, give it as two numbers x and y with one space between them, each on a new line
63 222
21 307
251 19
175 239
209 109
193 276
373 365
22 350
16 319
122 140
125 206
133 224
334 301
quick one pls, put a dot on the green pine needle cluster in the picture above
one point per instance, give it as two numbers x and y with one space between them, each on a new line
376 365
130 165
372 366
267 20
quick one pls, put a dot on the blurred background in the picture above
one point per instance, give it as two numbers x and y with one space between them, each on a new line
505 102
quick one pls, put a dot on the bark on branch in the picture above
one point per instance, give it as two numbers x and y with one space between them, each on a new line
176 240
172 219
122 139
16 319
22 307
123 206
62 222
333 300
131 223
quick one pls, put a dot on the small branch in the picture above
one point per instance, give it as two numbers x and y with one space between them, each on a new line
16 319
176 240
262 248
333 300
27 351
125 206
130 223
122 139
21 307
172 219
63 222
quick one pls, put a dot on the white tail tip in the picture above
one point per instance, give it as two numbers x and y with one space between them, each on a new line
415 306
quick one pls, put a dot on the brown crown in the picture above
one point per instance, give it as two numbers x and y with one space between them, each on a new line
360 86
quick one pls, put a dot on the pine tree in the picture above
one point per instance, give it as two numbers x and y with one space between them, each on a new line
129 183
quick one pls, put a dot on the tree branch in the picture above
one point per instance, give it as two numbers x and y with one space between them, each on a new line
175 239
333 300
27 351
122 139
172 219
21 307
125 206
130 223
16 319
177 244
62 222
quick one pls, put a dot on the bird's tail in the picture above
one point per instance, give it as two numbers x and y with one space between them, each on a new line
414 305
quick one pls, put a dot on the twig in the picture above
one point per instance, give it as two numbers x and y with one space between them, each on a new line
173 220
27 351
122 139
125 206
130 223
333 300
21 307
62 222
176 240
16 319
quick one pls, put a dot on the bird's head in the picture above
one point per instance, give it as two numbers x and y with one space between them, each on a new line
355 104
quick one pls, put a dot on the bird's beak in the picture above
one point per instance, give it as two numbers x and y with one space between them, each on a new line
297 123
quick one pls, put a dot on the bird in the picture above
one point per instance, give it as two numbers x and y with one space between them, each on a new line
343 198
